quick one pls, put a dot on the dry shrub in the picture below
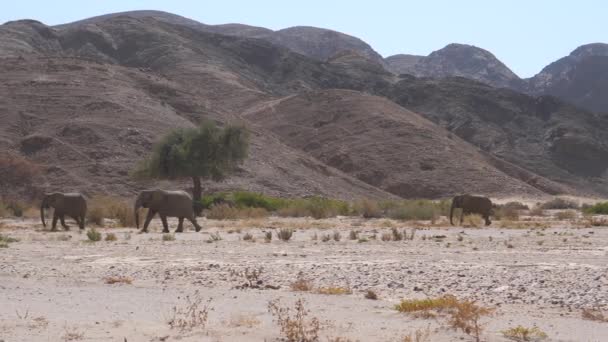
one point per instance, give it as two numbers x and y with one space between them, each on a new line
118 280
507 212
472 221
107 207
523 334
370 294
566 215
294 324
397 235
301 284
315 207
537 211
227 212
72 334
285 234
594 315
268 237
462 314
168 237
419 336
386 237
337 236
5 240
353 235
111 237
560 203
248 237
368 208
334 290
193 314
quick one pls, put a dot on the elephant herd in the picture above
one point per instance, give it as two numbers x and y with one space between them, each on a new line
162 202
179 204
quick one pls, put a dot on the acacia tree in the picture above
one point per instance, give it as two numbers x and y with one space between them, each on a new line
205 152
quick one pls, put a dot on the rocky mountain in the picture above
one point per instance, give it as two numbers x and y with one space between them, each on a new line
317 43
87 100
457 60
580 78
402 63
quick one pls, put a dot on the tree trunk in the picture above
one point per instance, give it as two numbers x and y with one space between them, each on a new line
197 194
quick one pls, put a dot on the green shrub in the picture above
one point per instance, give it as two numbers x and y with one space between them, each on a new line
208 201
316 207
93 235
598 209
245 199
368 209
168 237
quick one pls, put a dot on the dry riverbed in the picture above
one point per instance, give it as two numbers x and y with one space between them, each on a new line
58 286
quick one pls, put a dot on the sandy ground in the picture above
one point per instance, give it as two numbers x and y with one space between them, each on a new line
53 284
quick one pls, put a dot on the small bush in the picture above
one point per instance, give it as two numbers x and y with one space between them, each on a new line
193 314
408 210
397 235
247 237
285 234
226 212
315 207
353 235
5 240
301 284
566 215
386 237
594 315
560 203
335 290
118 280
337 236
111 237
214 237
95 215
295 326
508 211
370 294
523 334
245 199
93 235
268 236
168 237
368 209
15 208
473 221
597 209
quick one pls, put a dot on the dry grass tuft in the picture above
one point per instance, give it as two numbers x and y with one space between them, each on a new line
294 324
418 336
523 334
111 237
285 234
244 321
168 237
566 215
118 280
334 290
472 221
301 284
594 315
462 314
192 315
227 212
370 294
72 334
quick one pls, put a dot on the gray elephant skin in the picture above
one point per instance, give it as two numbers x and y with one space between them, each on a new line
167 204
73 205
472 205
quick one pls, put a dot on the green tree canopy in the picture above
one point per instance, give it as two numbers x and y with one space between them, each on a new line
206 152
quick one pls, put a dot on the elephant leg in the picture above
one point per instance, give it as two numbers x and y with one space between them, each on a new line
487 217
180 225
149 217
195 224
81 223
62 219
462 217
163 218
54 226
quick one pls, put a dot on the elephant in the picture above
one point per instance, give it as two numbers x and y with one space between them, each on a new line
167 204
73 205
472 205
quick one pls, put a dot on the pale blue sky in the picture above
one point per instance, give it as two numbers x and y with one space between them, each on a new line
525 35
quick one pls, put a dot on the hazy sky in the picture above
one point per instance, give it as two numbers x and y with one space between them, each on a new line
525 35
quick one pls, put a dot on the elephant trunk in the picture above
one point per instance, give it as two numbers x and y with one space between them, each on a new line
42 205
451 213
136 211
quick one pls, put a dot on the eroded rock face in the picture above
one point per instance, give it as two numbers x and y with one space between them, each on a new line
580 78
